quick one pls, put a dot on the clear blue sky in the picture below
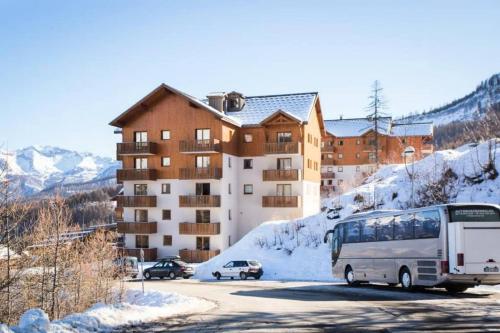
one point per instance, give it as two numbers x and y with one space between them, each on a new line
69 67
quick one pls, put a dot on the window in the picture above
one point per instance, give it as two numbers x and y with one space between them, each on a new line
358 168
427 224
352 233
229 240
229 188
247 138
203 216
202 188
341 156
165 135
340 169
229 217
202 134
368 230
316 166
140 215
330 156
202 161
358 141
284 163
203 243
140 189
403 141
341 181
248 189
284 136
315 142
166 214
283 189
358 155
341 142
371 156
385 228
330 181
165 188
141 241
309 138
165 161
167 240
329 169
248 163
322 144
229 161
140 136
403 227
309 163
141 163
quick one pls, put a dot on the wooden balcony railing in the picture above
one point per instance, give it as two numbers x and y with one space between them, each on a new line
150 254
136 148
281 147
328 149
328 161
270 175
199 200
200 146
328 175
136 227
200 173
118 216
195 256
136 201
188 228
280 201
136 174
327 188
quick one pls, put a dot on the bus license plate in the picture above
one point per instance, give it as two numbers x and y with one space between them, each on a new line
491 269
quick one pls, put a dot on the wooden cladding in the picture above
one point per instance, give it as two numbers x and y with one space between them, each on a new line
195 256
187 228
136 174
270 175
280 201
199 200
327 175
200 146
150 254
328 161
136 201
118 214
136 148
200 173
281 147
136 227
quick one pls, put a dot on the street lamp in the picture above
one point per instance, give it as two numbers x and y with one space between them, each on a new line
410 152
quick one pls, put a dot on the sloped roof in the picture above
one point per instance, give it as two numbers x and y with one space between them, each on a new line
412 129
356 126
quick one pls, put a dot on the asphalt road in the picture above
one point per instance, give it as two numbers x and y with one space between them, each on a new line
269 306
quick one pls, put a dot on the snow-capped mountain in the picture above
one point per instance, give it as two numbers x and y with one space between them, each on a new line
470 107
39 168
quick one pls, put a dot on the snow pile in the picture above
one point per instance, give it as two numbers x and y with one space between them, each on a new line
136 308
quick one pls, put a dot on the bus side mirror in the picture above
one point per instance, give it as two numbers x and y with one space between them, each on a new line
325 239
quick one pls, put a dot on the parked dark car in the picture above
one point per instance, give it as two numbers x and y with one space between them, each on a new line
171 267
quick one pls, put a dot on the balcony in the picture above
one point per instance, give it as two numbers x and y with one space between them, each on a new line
328 149
136 201
281 147
200 146
135 174
195 256
272 175
328 175
118 215
327 188
136 227
136 148
200 173
281 201
199 200
188 228
150 254
328 161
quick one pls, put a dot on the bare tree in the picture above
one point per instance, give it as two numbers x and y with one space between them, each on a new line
375 106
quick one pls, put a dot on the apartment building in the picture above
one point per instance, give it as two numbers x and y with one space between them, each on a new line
348 149
200 174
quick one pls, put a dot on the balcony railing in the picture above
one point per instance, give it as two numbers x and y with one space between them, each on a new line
328 175
195 256
199 200
327 161
327 188
200 173
136 201
188 228
136 227
136 174
280 201
118 215
150 254
328 149
281 147
200 146
136 148
270 175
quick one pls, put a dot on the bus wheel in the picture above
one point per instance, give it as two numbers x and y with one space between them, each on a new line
349 276
405 279
456 289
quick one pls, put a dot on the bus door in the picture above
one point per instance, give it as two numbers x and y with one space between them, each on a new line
336 242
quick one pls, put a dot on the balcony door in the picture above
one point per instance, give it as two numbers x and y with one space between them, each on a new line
141 163
202 188
203 243
284 164
140 189
140 139
284 137
203 216
141 241
284 190
203 135
141 215
202 161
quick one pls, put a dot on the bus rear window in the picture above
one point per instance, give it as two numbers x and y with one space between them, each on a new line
474 214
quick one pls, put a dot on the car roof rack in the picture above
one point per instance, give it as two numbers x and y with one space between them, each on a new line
170 258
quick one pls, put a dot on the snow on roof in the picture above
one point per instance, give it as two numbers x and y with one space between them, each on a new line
356 126
259 108
412 129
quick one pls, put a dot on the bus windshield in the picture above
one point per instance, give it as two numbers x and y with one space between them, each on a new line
474 214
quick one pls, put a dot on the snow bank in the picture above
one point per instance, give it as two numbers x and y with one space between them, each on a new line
135 308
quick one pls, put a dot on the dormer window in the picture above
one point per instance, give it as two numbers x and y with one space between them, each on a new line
235 101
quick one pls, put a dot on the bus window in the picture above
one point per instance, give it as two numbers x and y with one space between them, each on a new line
474 214
427 224
368 230
352 233
403 227
385 228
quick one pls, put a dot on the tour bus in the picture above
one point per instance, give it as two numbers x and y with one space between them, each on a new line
454 246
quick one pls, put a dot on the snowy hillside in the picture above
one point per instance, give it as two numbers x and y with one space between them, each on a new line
470 107
37 168
293 250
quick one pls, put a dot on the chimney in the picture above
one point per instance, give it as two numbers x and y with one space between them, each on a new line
217 100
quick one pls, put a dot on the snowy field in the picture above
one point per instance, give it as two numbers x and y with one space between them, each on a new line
135 308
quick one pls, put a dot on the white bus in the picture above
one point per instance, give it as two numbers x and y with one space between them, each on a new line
454 246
